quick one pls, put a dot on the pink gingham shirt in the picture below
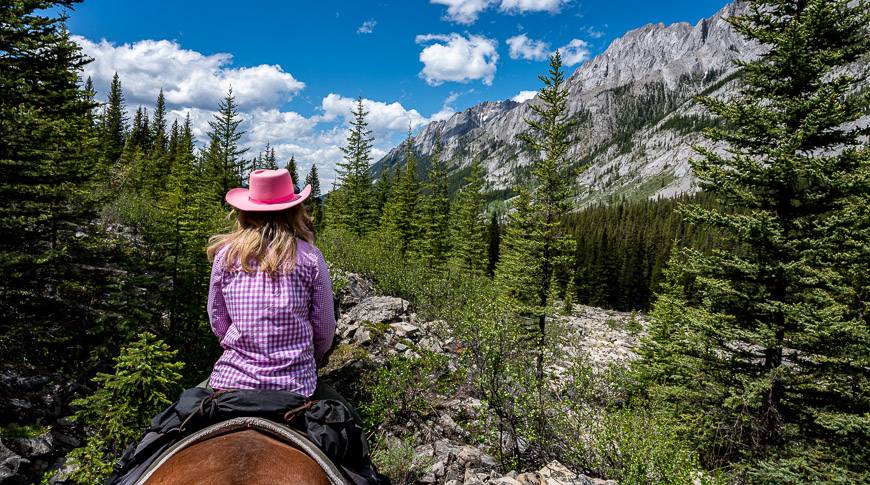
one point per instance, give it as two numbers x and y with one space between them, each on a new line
274 330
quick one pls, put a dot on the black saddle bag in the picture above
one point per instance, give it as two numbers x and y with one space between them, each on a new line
327 423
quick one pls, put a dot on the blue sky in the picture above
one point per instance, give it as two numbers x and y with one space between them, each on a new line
296 65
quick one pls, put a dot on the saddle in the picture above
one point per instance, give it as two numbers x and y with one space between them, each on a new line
325 430
278 431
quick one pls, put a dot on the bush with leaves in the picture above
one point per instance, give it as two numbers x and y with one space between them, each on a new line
402 387
145 380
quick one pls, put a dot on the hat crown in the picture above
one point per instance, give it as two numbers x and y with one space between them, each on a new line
270 186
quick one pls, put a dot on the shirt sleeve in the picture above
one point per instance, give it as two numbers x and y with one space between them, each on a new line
218 315
322 311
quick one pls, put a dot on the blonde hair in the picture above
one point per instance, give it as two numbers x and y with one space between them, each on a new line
267 238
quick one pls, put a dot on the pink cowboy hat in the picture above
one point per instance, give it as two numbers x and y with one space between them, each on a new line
270 190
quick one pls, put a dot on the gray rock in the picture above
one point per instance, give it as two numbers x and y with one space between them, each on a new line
376 309
357 289
64 470
31 447
471 478
363 336
9 462
405 329
663 55
431 344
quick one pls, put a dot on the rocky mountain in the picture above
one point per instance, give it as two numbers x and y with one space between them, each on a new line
635 110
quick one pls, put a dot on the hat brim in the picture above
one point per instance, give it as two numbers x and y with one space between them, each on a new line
238 198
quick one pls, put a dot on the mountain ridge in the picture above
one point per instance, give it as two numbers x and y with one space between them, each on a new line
634 106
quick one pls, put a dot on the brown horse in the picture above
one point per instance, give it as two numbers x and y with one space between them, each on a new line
242 457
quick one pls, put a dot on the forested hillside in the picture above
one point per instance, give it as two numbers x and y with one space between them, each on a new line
753 365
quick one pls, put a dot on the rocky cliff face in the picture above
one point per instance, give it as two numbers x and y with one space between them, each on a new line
634 105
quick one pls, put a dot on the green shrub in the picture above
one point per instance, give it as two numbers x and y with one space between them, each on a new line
401 387
145 381
395 458
609 431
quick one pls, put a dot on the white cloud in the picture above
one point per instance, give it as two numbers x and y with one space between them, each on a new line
466 12
574 52
188 78
271 125
463 11
522 6
595 33
194 83
383 118
367 27
524 96
522 47
457 58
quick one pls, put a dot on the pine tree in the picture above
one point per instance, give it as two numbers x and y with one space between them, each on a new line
468 236
537 245
400 211
493 237
294 172
315 200
383 189
352 206
51 256
172 148
225 166
432 225
114 123
158 131
145 380
761 352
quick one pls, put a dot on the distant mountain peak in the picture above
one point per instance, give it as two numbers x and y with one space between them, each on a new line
634 106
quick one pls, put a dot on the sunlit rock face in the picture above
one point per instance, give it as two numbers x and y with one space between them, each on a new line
636 116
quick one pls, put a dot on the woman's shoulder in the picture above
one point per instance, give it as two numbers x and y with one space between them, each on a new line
307 253
220 256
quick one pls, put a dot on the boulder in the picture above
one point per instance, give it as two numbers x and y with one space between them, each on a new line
376 309
405 329
356 289
31 447
9 463
362 336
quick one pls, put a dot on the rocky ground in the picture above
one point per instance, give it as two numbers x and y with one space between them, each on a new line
27 452
372 328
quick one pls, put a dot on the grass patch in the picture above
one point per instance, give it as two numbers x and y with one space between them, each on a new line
23 431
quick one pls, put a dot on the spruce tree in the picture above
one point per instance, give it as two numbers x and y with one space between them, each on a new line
294 172
537 245
432 225
52 258
225 166
383 190
400 211
315 200
145 380
468 229
114 123
90 93
192 216
352 207
158 131
761 352
172 147
493 237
